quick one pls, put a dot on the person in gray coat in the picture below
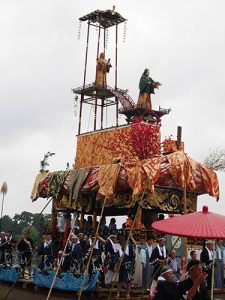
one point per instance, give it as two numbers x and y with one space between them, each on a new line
219 255
147 268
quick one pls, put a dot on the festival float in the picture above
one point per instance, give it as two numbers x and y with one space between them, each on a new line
124 170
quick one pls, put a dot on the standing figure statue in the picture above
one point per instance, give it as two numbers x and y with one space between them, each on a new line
103 67
146 87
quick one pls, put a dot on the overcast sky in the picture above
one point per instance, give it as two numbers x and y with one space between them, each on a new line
41 59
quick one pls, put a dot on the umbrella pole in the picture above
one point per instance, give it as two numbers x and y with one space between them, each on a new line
213 271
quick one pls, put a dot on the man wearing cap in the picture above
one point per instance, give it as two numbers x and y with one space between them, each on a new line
158 257
166 288
206 258
147 268
194 287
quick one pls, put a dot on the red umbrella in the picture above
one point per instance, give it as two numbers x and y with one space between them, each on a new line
202 224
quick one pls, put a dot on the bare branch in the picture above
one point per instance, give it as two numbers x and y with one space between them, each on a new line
216 160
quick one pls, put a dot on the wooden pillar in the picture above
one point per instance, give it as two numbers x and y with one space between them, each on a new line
185 211
102 108
84 81
137 224
96 96
81 220
54 229
116 63
179 136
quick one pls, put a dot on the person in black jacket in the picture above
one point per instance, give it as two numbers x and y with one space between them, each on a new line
166 288
25 248
110 251
83 243
48 252
194 287
110 258
75 255
2 244
8 244
126 271
158 257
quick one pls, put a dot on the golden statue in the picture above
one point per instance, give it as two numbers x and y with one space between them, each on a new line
103 67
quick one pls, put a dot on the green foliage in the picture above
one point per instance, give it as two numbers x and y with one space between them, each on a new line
37 224
7 223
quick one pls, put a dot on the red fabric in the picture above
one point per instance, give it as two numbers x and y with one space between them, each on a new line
203 224
203 180
91 183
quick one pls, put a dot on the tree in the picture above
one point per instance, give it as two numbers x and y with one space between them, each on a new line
216 160
7 223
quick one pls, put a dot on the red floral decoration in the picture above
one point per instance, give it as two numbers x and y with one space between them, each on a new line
142 141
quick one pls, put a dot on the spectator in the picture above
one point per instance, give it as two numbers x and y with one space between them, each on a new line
174 263
112 226
103 228
193 255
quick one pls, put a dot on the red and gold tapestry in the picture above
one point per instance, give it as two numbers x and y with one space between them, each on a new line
126 143
107 179
143 175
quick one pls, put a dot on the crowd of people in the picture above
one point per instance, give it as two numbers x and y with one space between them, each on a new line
158 271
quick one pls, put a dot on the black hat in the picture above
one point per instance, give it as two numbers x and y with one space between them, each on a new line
192 263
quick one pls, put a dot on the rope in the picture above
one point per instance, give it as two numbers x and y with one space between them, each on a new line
64 251
92 248
10 290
